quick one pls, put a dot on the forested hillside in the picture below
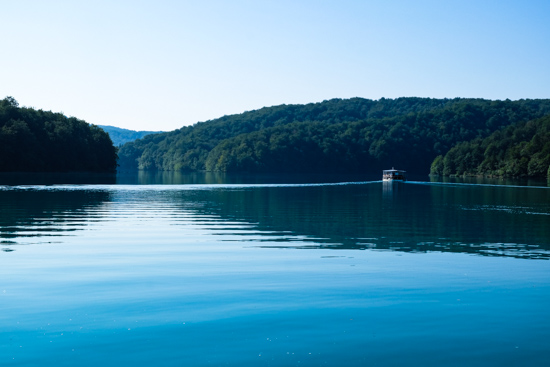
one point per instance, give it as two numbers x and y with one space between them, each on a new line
520 150
121 136
42 141
353 135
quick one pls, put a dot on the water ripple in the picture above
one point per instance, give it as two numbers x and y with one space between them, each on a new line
338 216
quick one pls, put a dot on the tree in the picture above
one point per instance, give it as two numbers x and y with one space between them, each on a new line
40 141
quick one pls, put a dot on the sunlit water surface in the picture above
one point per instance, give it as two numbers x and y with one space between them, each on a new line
252 273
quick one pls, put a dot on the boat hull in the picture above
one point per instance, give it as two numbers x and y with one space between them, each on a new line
394 180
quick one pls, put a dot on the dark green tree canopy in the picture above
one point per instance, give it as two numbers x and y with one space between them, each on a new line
351 135
519 150
42 141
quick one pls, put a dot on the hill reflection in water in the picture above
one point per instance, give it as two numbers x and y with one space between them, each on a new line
484 220
410 217
31 216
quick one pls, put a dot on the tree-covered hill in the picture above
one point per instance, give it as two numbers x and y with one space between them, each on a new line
121 136
42 141
352 135
520 150
188 147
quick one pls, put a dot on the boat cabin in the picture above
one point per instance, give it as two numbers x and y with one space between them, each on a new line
393 175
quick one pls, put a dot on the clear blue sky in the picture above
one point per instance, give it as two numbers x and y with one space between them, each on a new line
160 65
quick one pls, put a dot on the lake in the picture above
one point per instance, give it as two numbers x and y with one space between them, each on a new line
171 269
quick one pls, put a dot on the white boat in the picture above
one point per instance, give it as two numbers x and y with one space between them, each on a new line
393 175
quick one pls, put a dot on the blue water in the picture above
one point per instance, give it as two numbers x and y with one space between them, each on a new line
274 272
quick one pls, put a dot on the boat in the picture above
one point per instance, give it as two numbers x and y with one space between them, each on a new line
393 175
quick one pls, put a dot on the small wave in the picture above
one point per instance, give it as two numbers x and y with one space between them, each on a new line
472 184
180 187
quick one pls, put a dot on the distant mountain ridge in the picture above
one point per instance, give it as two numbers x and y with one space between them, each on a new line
121 136
338 135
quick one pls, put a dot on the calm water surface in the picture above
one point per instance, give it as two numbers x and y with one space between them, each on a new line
158 270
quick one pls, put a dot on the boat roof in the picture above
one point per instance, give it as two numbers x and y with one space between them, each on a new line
394 170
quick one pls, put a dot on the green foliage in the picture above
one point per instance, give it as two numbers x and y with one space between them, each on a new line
40 141
343 135
437 166
121 136
519 150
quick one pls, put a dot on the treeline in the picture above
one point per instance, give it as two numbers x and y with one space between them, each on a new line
337 135
188 147
42 141
520 150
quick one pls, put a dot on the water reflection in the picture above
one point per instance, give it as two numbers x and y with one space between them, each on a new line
29 216
406 217
221 178
421 217
48 178
391 189
491 181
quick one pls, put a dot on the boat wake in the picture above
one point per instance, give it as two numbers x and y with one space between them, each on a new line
475 184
